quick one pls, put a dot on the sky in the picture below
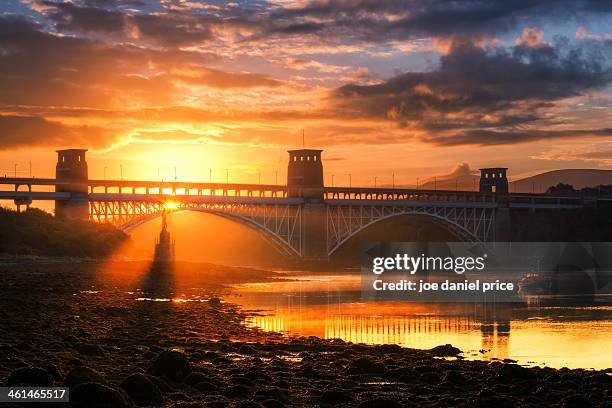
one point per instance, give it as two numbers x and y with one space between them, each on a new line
215 90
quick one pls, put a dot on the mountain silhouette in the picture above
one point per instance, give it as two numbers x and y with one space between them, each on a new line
579 178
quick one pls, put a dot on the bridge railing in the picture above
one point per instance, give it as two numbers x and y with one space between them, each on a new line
399 194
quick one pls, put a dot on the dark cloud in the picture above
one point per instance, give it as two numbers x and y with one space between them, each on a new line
509 136
474 90
349 20
20 131
164 29
402 19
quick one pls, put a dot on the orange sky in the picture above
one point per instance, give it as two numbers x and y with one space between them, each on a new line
383 89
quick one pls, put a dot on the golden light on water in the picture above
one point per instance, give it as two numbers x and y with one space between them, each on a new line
329 309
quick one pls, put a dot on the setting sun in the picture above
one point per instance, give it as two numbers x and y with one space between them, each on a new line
171 205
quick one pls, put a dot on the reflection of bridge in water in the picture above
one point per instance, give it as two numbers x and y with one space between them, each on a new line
489 335
301 219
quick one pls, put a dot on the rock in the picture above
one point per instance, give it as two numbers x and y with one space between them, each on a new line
245 404
447 350
308 372
247 350
234 391
206 387
30 376
172 365
89 349
364 365
380 403
257 375
54 371
96 395
335 397
271 393
454 377
142 391
214 302
196 377
240 380
575 401
81 375
515 372
496 401
185 404
272 403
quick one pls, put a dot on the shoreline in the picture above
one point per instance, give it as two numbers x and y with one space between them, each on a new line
113 350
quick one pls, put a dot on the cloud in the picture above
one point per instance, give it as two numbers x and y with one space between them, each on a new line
482 96
214 78
183 23
164 29
460 171
20 131
532 37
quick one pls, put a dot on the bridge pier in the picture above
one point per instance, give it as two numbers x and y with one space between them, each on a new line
72 174
305 180
503 226
314 231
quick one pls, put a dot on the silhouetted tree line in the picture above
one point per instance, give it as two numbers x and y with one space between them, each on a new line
567 190
35 232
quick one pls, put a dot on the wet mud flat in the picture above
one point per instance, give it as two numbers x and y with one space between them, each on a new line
118 341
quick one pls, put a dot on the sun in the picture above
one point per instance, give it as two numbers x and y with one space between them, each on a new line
171 205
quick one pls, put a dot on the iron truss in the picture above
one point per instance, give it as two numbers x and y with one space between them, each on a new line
470 223
280 224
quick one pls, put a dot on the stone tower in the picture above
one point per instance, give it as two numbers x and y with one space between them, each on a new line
494 180
72 175
305 180
305 174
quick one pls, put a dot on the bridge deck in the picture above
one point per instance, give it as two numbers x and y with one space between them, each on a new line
156 191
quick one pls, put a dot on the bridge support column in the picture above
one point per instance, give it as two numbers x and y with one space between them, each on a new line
71 171
314 231
503 225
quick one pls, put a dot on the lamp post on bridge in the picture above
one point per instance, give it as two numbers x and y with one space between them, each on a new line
350 180
375 180
15 170
332 180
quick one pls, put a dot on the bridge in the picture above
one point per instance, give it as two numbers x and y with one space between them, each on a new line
303 219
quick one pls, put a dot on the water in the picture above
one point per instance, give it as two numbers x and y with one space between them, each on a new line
329 306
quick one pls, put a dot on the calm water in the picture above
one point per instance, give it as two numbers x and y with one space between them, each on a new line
329 306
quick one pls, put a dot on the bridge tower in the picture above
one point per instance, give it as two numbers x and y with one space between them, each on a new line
305 174
71 171
494 180
305 180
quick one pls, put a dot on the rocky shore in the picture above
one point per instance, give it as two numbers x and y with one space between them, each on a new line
116 345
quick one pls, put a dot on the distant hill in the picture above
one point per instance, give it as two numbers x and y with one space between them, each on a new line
579 178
